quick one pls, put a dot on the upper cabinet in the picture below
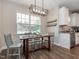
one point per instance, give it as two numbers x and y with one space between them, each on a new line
74 19
64 18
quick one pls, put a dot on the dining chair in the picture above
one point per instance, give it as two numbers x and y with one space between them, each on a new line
3 52
45 42
33 43
12 49
37 41
2 56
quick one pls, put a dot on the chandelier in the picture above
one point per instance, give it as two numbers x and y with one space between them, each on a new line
38 10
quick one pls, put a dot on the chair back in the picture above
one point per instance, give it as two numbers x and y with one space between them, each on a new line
8 40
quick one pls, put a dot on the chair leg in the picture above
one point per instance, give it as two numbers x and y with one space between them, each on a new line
7 57
19 53
2 57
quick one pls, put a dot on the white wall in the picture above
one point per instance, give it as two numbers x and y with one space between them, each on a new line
53 15
44 24
1 22
8 18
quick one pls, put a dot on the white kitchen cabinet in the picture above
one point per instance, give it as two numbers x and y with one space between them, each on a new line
74 19
64 18
76 38
64 40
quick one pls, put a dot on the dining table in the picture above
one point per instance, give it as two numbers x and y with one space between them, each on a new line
26 43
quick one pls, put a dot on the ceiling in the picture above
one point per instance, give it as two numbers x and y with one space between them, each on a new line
71 4
50 4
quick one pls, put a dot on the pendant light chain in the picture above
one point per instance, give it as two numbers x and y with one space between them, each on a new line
35 5
42 4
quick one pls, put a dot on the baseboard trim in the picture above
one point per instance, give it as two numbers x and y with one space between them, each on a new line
76 46
60 45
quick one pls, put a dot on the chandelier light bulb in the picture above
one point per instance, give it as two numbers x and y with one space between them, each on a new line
38 11
33 9
43 12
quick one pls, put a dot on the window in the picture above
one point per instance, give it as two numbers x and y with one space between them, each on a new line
25 25
35 24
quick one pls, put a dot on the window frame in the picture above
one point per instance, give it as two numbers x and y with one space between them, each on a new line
29 22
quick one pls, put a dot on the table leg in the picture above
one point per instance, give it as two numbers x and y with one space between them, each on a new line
42 41
24 47
27 49
48 43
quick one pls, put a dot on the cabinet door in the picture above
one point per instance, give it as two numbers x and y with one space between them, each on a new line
63 16
77 38
64 40
77 20
73 19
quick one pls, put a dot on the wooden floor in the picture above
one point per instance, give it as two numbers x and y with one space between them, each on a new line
56 53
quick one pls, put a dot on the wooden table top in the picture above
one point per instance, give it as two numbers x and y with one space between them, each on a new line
40 36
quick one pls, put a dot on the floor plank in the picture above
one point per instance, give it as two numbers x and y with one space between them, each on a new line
56 53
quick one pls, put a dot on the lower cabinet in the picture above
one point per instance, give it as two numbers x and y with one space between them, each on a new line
76 38
64 40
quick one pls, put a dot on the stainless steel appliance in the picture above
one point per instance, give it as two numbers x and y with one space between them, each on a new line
75 28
